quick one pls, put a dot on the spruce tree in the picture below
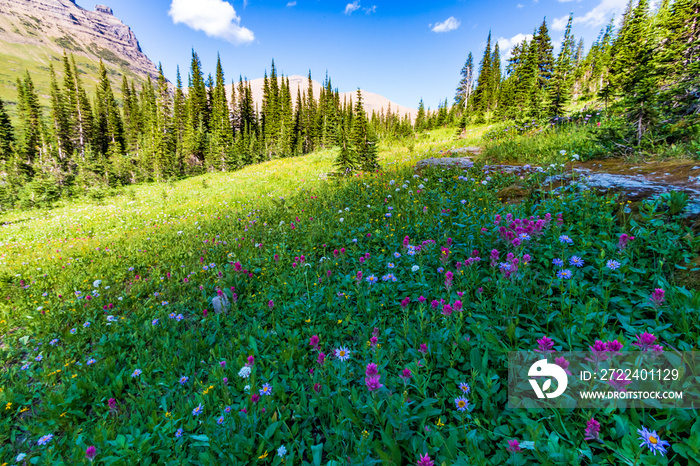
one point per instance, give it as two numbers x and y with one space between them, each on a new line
30 135
466 83
484 82
363 138
561 81
221 144
420 117
59 119
7 134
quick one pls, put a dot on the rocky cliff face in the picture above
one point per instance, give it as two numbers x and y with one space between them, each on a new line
59 25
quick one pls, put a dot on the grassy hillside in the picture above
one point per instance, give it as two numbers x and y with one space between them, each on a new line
361 326
16 58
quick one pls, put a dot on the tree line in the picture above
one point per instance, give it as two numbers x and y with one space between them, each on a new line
646 72
162 132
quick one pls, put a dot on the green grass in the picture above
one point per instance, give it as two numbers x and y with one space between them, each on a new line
287 250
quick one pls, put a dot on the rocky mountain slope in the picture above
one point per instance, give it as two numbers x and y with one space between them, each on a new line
34 33
372 101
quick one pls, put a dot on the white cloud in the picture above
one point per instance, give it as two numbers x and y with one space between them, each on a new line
291 4
350 7
506 45
450 24
559 24
597 16
372 9
520 5
216 18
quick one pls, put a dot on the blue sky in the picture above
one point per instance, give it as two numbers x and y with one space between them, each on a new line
403 50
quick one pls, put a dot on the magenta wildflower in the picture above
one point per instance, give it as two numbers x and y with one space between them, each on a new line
321 358
373 342
255 398
317 387
657 297
251 361
372 383
424 460
423 348
619 382
447 310
371 370
112 403
592 431
458 306
314 341
271 304
90 453
545 345
448 280
647 341
513 446
406 374
563 363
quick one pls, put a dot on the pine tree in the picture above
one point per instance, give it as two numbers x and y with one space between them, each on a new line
7 134
221 145
484 82
78 106
466 83
363 138
561 81
495 76
59 119
30 138
347 158
420 117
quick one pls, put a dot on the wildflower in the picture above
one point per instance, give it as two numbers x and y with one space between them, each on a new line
244 372
464 387
423 348
20 457
558 262
38 358
342 353
592 431
179 317
406 374
53 342
90 453
563 363
250 361
390 265
45 439
198 410
657 297
424 460
513 446
86 324
647 341
25 367
564 274
255 398
371 370
154 322
372 382
281 451
372 279
136 373
178 433
183 380
652 441
612 264
271 304
314 341
164 303
317 387
619 382
564 239
576 261
227 409
266 389
91 361
321 358
462 404
545 345
373 341
112 403
624 240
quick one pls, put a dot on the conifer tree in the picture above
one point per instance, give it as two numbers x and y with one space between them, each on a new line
466 83
78 106
495 76
561 81
7 134
59 119
30 143
221 144
363 138
484 82
420 116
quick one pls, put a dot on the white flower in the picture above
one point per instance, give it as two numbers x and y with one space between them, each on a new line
281 451
347 209
246 388
96 283
341 219
369 206
575 157
420 186
179 232
21 456
562 152
415 268
244 372
107 287
392 182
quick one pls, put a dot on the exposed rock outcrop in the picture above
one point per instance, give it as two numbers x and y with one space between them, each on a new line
63 25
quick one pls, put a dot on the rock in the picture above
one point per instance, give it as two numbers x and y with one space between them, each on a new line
104 9
445 162
514 194
220 304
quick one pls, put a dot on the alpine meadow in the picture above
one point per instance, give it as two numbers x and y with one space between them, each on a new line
201 268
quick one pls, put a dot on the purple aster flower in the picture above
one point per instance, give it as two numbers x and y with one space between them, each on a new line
462 404
652 441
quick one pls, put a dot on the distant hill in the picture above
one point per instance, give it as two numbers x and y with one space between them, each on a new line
372 101
34 33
